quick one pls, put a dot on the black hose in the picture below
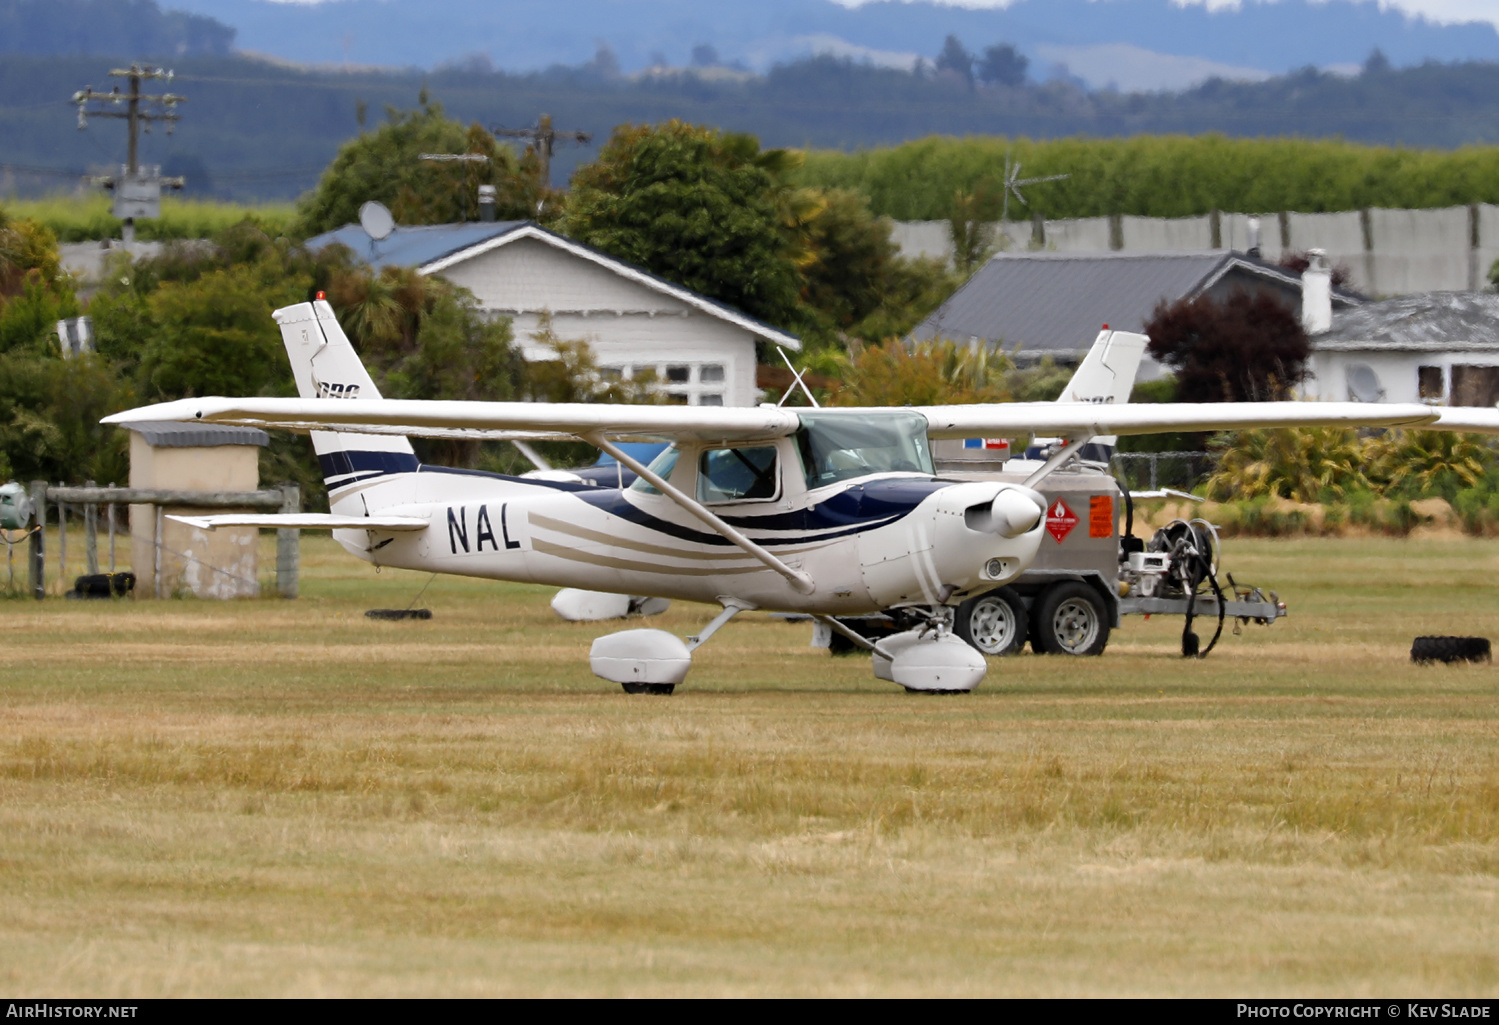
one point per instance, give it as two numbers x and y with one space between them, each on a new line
1192 560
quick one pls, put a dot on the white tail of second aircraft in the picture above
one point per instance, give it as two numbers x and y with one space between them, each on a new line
1107 373
325 365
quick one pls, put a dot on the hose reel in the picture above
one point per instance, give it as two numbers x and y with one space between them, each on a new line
1194 551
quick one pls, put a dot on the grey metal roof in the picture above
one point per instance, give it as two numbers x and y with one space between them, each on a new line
1055 303
414 245
1421 322
167 434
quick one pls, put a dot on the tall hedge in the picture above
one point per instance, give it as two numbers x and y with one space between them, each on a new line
1161 175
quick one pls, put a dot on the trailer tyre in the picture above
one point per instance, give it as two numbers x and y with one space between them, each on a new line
994 623
1070 620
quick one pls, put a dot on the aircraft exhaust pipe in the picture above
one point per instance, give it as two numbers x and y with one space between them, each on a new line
1016 510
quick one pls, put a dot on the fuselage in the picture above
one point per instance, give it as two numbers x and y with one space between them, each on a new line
868 542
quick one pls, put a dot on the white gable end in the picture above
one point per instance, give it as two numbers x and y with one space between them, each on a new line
529 276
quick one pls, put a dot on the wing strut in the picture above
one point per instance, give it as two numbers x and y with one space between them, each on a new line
1072 444
799 580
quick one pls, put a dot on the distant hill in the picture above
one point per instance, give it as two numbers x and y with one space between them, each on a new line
257 129
120 27
1138 44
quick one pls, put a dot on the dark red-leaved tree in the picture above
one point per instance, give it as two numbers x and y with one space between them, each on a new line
1295 261
1246 348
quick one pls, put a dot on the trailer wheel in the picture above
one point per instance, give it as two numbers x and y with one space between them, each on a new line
1070 620
993 623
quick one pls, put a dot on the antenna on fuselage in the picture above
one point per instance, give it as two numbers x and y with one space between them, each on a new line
797 375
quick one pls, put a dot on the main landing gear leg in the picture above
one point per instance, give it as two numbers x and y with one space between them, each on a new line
653 661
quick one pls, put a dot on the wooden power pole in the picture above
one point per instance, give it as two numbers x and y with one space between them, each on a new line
543 138
136 194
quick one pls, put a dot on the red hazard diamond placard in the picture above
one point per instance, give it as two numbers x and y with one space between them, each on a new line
1060 520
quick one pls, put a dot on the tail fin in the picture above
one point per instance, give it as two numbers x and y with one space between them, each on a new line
1107 373
325 365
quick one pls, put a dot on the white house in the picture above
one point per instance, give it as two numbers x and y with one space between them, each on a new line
1438 347
702 351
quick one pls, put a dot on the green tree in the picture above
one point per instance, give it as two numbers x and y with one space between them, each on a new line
696 206
930 373
35 292
50 409
1299 463
386 165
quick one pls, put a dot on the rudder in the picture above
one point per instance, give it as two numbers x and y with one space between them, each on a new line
325 365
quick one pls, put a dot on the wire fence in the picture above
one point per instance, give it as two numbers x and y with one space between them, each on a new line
1150 471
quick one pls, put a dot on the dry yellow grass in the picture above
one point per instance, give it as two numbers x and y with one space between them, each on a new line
287 798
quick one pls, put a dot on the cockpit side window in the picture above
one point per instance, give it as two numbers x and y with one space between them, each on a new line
661 466
737 474
841 447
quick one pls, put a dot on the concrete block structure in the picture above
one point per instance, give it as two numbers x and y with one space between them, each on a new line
1386 252
172 558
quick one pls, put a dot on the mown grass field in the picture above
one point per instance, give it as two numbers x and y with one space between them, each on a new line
285 798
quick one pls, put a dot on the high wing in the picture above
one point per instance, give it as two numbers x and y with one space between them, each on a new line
1092 419
424 418
480 420
1474 419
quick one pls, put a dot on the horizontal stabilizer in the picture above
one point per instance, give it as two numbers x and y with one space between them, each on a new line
305 521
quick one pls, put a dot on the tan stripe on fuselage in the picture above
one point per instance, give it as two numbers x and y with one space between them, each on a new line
610 562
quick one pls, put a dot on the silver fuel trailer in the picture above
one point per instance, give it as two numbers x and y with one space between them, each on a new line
1090 573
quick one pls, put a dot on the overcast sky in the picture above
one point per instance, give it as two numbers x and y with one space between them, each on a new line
1437 10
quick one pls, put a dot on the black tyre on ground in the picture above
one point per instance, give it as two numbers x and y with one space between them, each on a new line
993 623
1070 619
1425 650
648 688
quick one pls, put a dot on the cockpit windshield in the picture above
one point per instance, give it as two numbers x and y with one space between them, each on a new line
661 466
837 447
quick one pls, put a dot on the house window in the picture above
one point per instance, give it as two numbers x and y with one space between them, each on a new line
1474 385
687 384
1429 383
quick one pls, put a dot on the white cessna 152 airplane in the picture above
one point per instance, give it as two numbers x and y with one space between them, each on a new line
829 512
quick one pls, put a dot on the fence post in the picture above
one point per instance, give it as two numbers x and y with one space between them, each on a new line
62 546
91 533
156 553
39 540
288 543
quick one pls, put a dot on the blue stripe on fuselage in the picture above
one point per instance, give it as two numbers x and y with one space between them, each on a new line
860 507
366 464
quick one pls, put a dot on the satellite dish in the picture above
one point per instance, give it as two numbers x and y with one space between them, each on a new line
1363 383
376 220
